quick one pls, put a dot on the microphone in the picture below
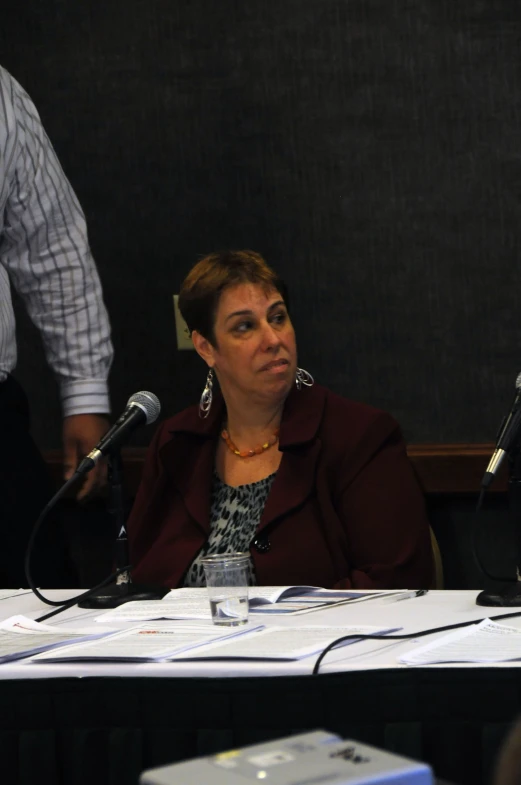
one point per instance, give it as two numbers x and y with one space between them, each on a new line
142 408
508 434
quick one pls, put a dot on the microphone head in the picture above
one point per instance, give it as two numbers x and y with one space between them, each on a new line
147 402
518 381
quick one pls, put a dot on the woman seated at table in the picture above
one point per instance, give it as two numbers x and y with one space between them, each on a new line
317 488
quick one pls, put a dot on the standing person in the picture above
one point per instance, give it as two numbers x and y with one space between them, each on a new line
315 487
45 256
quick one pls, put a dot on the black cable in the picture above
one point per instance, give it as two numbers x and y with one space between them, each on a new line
480 500
36 528
65 604
62 605
408 636
475 548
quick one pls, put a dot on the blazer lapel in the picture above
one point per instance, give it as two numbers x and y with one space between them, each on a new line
188 461
294 482
298 441
190 472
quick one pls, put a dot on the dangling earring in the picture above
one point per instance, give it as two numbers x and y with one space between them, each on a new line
205 404
303 377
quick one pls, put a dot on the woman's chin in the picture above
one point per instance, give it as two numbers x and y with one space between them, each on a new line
278 386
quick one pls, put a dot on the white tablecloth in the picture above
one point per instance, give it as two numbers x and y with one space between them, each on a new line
437 608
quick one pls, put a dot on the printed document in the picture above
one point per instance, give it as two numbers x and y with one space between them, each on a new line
188 603
483 642
144 643
281 643
21 637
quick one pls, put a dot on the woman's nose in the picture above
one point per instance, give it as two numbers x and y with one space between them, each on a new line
270 336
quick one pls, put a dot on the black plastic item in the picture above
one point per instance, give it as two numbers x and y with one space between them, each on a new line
115 595
506 596
124 590
509 595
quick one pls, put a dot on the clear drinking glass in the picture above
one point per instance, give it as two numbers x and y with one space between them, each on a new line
227 581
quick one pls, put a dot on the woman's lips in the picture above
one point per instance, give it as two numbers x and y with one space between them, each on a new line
276 365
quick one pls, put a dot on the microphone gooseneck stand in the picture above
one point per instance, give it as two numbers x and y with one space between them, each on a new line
59 605
509 595
124 590
142 406
123 594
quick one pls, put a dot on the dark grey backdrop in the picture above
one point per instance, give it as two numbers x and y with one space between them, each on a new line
371 149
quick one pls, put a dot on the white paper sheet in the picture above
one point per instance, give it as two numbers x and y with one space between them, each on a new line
483 642
280 643
191 604
143 643
186 607
22 637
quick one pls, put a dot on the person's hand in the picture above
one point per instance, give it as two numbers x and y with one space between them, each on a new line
81 432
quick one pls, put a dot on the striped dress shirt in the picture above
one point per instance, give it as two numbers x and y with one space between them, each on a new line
45 256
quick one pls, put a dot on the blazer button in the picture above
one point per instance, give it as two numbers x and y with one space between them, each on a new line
261 544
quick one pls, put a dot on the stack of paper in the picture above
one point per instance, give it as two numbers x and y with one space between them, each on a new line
298 599
194 604
154 643
483 642
21 637
281 643
150 643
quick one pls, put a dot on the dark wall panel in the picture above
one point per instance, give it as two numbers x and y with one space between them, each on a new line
369 148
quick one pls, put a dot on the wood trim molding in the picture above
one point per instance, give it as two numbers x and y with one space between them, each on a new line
441 468
454 468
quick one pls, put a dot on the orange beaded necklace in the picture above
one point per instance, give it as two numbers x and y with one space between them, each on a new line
249 453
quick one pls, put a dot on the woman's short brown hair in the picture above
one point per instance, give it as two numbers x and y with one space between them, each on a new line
202 287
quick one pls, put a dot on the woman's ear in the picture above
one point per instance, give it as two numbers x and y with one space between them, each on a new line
204 348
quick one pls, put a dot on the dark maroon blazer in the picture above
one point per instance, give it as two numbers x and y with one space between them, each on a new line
344 509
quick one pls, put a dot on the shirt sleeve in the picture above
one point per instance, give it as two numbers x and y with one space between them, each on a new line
46 253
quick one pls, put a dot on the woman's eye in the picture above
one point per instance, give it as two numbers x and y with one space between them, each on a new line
242 327
279 318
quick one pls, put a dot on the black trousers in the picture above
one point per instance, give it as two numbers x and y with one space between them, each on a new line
25 489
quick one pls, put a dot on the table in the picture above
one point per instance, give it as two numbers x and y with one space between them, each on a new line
75 724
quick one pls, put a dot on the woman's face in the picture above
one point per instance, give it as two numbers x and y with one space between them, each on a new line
255 351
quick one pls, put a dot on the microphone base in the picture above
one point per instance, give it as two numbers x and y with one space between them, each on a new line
118 594
507 596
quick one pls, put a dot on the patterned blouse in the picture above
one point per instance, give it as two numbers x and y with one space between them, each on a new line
234 517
